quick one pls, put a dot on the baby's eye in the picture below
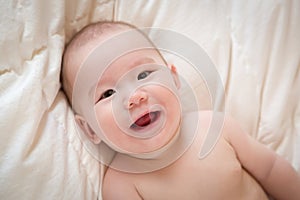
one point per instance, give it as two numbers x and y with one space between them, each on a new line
143 75
107 94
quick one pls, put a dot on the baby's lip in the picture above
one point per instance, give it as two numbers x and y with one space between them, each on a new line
145 120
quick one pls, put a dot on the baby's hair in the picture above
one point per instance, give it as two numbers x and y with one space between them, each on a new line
87 34
94 30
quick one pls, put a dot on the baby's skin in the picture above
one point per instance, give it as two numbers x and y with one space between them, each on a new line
219 175
138 112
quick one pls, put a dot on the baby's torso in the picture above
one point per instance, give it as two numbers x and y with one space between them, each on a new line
217 176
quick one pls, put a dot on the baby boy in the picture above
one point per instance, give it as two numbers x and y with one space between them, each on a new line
125 95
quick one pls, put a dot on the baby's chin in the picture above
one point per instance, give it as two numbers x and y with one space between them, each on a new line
155 146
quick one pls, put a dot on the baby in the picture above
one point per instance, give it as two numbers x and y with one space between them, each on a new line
125 96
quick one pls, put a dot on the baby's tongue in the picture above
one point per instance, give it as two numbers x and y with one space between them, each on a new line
144 120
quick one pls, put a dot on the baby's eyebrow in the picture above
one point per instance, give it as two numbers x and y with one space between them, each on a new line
136 63
141 61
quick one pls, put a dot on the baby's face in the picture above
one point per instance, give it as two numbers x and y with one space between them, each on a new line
136 102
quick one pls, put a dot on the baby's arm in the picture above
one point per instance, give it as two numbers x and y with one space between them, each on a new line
273 172
116 187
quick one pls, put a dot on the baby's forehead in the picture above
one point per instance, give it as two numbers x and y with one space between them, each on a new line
113 36
137 59
112 48
126 65
84 46
92 37
95 37
98 32
114 53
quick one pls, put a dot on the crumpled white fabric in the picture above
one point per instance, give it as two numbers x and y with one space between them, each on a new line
41 156
255 46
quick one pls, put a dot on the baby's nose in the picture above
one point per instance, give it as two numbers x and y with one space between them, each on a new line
136 98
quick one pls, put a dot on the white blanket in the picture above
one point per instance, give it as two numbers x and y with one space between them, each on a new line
254 44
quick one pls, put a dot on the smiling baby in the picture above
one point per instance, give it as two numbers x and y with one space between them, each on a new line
124 94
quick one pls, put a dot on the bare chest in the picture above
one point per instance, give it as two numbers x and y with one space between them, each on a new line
217 176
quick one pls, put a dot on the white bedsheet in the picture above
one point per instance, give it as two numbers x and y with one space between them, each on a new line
254 44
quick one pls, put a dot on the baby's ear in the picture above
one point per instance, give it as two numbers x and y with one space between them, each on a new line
85 127
175 75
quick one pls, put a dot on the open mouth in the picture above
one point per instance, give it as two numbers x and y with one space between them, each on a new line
145 120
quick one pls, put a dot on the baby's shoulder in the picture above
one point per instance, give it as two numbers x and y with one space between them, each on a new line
209 119
209 126
121 182
204 120
205 116
113 176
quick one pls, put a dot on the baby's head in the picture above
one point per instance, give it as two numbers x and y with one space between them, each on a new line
81 45
121 89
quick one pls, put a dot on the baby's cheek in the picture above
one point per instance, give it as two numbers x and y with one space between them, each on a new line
104 117
166 94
